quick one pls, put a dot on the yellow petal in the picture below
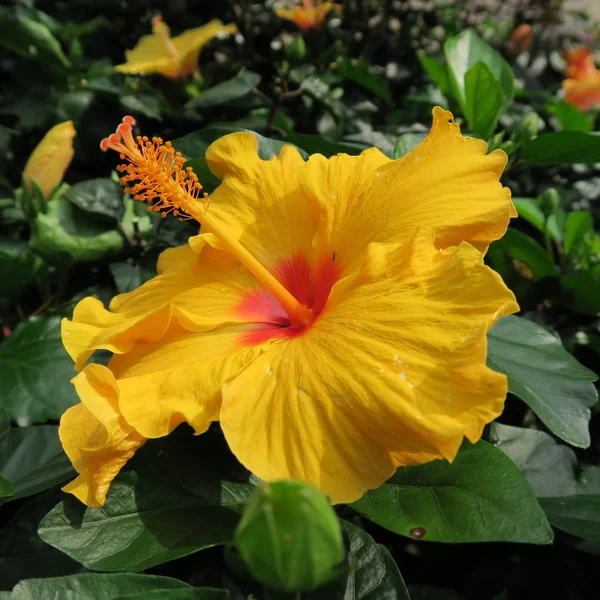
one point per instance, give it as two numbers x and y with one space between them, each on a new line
51 158
447 183
95 436
394 370
201 287
179 379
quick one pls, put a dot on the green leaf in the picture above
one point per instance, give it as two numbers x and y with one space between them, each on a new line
206 177
548 466
98 196
127 277
577 226
30 39
92 586
168 507
462 53
67 234
545 376
484 101
316 144
525 249
360 72
17 265
437 70
581 292
480 497
562 147
290 537
182 594
33 459
373 572
570 118
35 371
23 554
236 88
407 142
530 210
578 515
6 488
146 104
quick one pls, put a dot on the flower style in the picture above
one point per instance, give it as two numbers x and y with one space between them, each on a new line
582 86
311 14
51 158
332 314
172 57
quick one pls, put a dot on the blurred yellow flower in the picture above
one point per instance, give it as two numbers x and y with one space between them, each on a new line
51 158
173 57
310 14
332 314
582 86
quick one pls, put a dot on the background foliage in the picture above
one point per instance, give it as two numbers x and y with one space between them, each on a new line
367 78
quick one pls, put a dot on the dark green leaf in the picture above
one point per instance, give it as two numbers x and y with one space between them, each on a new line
23 554
98 196
182 594
67 234
127 277
407 142
170 506
521 247
571 118
17 265
222 93
316 144
437 70
208 180
361 72
30 38
90 586
33 459
463 52
480 497
581 292
373 573
144 104
548 466
6 488
562 147
36 370
545 376
578 515
484 101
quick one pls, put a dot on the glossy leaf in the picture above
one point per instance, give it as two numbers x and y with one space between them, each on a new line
562 147
373 574
93 586
98 196
7 489
437 70
361 73
484 101
36 370
180 594
530 210
545 376
577 226
570 118
578 515
480 497
17 265
581 292
407 142
236 88
168 507
33 459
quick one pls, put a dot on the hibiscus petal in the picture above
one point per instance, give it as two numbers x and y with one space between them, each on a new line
447 183
199 286
95 436
393 371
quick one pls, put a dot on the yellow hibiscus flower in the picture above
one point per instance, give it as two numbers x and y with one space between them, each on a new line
173 57
309 15
332 314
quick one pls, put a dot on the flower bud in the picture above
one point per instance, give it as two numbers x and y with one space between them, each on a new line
550 201
527 127
50 159
290 537
296 49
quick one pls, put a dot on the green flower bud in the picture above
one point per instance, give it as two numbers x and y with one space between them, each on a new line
296 49
527 127
550 201
290 537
